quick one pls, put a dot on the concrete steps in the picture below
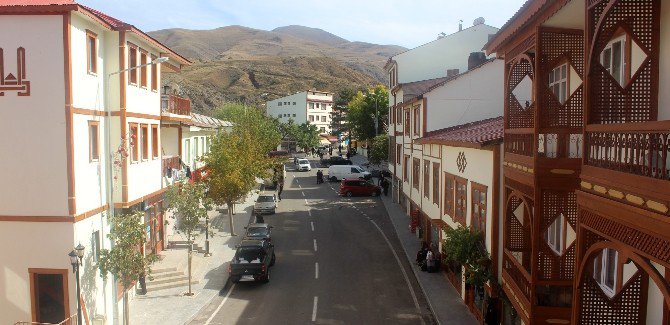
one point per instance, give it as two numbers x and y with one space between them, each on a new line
168 278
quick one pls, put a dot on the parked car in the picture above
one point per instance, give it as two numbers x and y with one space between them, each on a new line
266 203
259 231
339 172
355 187
303 165
336 160
252 261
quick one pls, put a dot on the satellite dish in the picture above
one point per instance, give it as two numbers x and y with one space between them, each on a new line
478 21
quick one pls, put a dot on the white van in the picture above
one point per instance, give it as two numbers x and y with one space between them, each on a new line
340 172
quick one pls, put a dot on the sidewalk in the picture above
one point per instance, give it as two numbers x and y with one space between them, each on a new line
444 300
170 306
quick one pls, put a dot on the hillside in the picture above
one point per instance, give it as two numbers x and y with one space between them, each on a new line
237 63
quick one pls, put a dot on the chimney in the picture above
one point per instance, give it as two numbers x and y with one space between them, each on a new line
475 59
460 25
452 72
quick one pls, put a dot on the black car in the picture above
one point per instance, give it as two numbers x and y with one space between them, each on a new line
259 231
336 160
252 261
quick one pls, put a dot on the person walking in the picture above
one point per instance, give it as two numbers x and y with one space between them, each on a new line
430 261
385 186
281 188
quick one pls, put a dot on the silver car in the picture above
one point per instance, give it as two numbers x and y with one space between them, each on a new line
266 203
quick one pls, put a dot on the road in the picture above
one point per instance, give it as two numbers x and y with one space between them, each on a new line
335 265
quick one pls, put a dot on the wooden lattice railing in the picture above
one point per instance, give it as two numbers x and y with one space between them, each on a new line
174 104
639 152
516 273
520 144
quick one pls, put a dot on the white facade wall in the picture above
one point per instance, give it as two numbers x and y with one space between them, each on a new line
432 60
139 99
144 176
169 141
431 152
195 135
475 96
288 109
33 139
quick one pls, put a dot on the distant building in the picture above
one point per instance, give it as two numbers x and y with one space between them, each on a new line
315 107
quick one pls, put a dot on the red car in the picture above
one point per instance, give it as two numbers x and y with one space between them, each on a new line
351 187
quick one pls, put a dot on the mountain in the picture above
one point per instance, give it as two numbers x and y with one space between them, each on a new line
237 63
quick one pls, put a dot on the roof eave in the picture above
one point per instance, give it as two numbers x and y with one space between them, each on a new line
55 9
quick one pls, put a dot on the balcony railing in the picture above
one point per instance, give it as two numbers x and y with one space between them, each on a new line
520 144
171 164
520 278
644 152
72 320
174 104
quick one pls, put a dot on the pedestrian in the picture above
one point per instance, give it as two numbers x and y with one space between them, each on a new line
430 261
281 188
339 149
348 155
385 186
330 151
421 254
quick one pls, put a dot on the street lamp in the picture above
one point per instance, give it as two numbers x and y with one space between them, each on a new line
76 256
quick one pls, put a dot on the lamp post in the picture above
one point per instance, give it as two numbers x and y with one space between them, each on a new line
76 256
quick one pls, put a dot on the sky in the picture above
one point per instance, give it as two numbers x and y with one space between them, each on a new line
407 23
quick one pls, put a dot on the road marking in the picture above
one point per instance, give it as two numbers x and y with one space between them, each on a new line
296 179
404 273
310 213
306 201
303 193
299 186
316 302
220 305
315 245
316 270
312 222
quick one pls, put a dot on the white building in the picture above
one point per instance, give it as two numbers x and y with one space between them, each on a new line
70 114
315 107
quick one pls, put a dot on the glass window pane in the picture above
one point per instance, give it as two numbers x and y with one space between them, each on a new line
617 61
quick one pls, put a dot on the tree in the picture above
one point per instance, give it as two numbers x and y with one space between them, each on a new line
379 150
365 109
308 136
190 205
338 124
237 158
465 247
125 260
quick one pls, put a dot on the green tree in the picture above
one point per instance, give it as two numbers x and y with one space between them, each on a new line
237 158
189 204
367 113
379 150
465 247
308 136
125 260
341 101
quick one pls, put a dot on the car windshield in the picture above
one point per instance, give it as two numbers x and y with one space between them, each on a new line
265 198
257 231
249 254
303 161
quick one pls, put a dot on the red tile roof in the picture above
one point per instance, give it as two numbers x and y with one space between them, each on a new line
410 90
476 134
21 3
115 23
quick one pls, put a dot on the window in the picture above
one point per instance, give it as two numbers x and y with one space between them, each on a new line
322 130
555 235
449 193
405 169
417 120
311 118
612 59
436 183
416 166
479 207
293 115
95 245
143 69
407 125
398 114
154 74
318 105
323 107
398 152
323 118
605 270
93 140
461 208
91 52
154 141
279 104
187 151
558 82
293 103
144 141
134 156
132 64
279 115
311 105
196 148
426 178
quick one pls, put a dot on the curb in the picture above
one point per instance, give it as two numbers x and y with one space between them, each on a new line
409 259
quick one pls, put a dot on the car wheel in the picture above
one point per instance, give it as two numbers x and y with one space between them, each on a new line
349 194
375 193
272 261
234 280
266 278
274 210
333 179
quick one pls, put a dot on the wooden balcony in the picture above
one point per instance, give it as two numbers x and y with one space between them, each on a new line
517 284
173 104
171 162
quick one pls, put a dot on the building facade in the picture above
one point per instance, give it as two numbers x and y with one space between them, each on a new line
313 107
88 86
586 162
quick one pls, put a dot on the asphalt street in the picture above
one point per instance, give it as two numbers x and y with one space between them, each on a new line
337 263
